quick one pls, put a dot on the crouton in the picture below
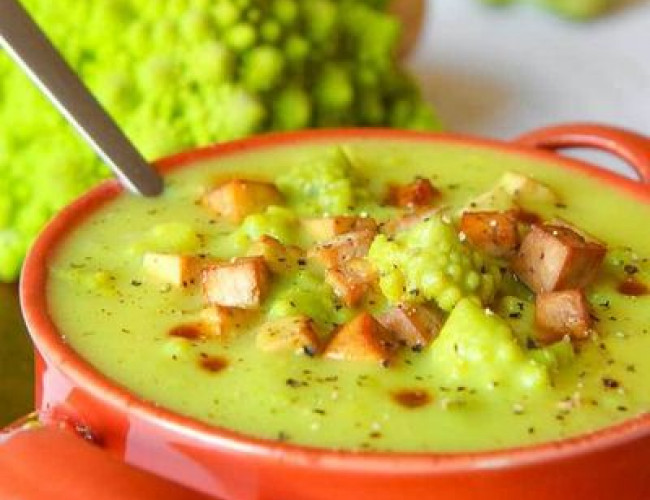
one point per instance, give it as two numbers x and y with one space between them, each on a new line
495 233
351 282
558 314
241 283
177 270
279 258
555 258
496 199
325 228
219 321
362 339
336 252
414 326
293 333
560 222
419 193
511 191
394 226
527 217
238 198
526 189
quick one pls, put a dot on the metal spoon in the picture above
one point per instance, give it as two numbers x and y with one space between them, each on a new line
31 49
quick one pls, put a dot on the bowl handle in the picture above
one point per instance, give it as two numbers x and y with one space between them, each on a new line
632 147
48 462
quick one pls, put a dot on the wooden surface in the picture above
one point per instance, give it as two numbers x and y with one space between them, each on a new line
412 14
16 372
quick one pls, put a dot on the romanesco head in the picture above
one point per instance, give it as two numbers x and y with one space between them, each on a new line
428 262
184 73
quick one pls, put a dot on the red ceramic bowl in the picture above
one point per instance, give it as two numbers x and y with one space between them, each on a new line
610 463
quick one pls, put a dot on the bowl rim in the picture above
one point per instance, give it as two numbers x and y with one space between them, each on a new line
51 345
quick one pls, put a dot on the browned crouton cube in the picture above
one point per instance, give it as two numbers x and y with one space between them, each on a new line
405 222
495 233
345 286
556 258
560 222
219 321
351 282
241 283
325 228
279 257
238 198
527 217
414 326
362 339
419 193
525 189
337 251
558 314
294 333
177 270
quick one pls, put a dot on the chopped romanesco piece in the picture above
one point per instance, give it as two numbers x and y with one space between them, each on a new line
428 262
476 348
305 293
328 185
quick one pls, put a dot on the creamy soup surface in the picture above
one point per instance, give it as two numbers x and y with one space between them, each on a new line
231 310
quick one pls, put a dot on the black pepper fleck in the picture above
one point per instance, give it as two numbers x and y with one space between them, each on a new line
630 269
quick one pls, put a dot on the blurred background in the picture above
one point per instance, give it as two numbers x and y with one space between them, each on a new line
179 73
500 72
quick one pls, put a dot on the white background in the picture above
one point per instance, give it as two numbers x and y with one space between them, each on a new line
500 72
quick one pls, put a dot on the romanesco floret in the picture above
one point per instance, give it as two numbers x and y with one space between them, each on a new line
306 293
428 262
476 348
327 185
177 74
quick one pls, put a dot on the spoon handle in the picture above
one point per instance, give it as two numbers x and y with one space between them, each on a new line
30 48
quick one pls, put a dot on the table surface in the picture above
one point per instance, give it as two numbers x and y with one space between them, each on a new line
16 377
493 72
500 72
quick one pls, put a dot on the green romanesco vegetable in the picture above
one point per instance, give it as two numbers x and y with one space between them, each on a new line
428 262
572 9
306 293
181 73
476 348
327 185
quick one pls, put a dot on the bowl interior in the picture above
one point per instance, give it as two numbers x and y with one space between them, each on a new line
56 352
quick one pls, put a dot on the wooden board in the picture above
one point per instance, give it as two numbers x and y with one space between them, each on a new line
16 359
412 13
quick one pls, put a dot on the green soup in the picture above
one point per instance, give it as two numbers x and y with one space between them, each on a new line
513 392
